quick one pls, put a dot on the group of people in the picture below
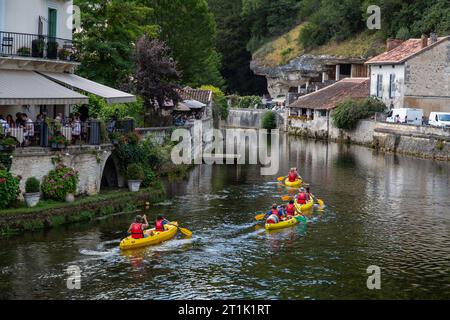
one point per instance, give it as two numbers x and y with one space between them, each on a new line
285 212
23 121
140 225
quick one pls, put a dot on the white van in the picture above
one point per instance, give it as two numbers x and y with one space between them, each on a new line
405 115
440 119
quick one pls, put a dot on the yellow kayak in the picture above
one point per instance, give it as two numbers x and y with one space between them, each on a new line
283 224
296 184
157 238
305 207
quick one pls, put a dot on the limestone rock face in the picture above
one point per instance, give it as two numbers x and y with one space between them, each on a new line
299 71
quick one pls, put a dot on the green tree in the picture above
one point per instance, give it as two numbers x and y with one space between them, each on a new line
233 34
106 42
189 29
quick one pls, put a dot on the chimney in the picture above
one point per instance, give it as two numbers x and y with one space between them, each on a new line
433 37
424 41
393 43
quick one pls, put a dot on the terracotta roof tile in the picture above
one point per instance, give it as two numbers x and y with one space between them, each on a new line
403 52
203 96
328 97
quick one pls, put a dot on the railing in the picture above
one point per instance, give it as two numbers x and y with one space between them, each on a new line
56 135
36 46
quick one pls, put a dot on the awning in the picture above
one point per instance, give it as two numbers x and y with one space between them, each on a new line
109 94
29 88
194 104
182 107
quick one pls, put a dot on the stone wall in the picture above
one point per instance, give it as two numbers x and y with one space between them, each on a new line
427 79
88 160
250 119
420 141
322 128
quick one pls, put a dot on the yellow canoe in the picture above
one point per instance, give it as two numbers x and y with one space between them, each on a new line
305 207
283 224
158 237
296 184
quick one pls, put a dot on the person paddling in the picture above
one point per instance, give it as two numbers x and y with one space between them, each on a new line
138 226
290 209
275 215
293 175
302 197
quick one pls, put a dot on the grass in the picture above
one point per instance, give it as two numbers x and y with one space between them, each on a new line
282 50
50 214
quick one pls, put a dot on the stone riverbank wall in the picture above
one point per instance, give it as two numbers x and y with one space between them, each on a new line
419 141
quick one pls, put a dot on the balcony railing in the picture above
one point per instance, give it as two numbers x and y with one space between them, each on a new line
14 44
55 134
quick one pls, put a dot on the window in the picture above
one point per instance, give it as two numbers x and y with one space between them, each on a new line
323 113
392 86
379 85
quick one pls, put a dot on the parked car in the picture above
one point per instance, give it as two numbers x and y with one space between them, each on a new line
440 119
405 115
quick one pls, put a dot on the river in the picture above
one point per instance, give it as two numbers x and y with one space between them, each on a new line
383 210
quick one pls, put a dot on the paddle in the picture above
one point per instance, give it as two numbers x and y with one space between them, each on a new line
186 232
281 178
259 217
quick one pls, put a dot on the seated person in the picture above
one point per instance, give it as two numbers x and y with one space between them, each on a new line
293 175
138 226
275 215
302 197
290 209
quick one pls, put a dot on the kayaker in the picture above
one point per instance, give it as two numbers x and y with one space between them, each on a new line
160 223
302 197
273 216
293 175
138 226
290 209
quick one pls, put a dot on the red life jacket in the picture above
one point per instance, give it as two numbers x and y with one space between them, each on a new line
136 231
290 209
159 225
292 177
302 198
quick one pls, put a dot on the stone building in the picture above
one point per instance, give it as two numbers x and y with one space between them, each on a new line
413 74
311 114
37 77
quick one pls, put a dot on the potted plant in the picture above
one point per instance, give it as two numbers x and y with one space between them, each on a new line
135 176
61 184
52 49
24 51
37 48
64 54
58 142
9 143
32 193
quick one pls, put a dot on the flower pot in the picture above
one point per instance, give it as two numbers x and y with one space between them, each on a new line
70 197
32 199
134 185
54 146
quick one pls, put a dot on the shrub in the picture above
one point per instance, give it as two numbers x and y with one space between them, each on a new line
149 177
348 113
403 34
247 102
220 101
135 172
32 185
60 182
269 120
59 139
24 51
311 36
9 189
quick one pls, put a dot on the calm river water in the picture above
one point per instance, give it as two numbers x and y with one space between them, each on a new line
383 210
